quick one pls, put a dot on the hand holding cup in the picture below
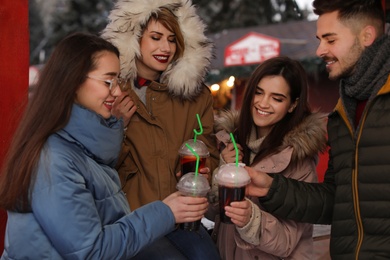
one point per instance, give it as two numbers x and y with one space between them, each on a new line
231 179
193 185
229 154
186 208
260 183
239 212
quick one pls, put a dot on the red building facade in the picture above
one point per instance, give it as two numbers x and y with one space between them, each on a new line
14 63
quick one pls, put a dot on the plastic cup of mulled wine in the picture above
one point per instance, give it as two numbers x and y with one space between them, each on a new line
194 185
232 181
188 159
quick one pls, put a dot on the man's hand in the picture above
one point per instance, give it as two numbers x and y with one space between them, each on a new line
260 183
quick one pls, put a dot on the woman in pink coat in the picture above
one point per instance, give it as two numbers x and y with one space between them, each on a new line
276 133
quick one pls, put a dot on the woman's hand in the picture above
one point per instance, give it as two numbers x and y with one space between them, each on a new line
123 107
239 212
229 153
186 208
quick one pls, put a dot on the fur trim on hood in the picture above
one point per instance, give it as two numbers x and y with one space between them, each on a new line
185 76
307 139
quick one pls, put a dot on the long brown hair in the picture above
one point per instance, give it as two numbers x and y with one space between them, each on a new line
47 112
295 76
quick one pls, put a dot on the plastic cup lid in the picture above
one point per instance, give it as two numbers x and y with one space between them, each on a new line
231 175
199 147
193 184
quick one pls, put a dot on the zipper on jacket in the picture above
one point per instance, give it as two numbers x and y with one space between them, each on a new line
355 191
358 218
354 179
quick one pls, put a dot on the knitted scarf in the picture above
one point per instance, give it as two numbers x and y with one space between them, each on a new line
370 75
254 144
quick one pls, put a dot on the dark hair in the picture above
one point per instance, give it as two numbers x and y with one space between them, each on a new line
295 76
354 12
47 112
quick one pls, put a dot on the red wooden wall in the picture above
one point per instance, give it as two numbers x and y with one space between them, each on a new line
14 64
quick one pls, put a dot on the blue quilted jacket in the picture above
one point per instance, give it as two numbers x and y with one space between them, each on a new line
78 208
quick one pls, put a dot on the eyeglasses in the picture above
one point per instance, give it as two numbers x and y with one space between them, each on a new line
112 84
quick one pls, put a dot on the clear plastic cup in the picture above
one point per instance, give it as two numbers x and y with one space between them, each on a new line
188 159
194 185
231 181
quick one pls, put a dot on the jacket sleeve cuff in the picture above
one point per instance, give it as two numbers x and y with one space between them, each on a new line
163 211
251 232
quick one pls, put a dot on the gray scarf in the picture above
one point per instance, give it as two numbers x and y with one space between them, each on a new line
254 144
371 72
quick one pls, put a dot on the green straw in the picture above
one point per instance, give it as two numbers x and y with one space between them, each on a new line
200 126
197 158
235 147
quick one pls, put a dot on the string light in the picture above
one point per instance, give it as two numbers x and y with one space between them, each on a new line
214 87
230 82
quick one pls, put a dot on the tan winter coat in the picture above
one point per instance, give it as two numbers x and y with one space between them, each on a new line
266 236
149 158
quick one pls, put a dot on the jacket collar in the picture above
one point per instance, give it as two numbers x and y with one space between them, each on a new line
306 139
100 139
386 88
343 113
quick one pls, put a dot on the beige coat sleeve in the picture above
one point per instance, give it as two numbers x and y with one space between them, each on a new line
250 233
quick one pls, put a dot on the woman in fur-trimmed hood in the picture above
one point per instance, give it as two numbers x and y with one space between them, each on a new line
278 134
164 57
184 76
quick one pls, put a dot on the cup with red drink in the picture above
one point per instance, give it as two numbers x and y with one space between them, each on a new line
195 185
232 179
188 159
